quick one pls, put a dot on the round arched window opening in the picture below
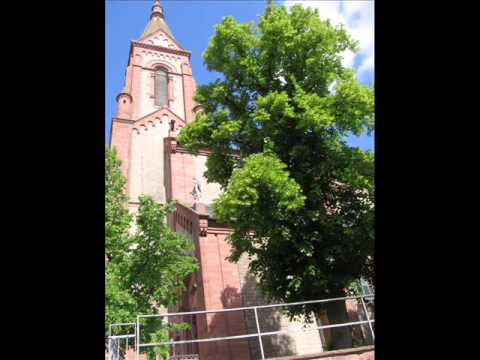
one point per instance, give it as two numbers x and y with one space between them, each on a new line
161 87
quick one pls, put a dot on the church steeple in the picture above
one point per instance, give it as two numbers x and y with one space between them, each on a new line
157 9
157 21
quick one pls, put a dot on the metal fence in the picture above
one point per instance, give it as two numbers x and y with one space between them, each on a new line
258 334
115 341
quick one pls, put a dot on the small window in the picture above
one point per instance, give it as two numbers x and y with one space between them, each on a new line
161 88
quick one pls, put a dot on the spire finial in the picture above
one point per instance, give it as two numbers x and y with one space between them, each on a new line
157 9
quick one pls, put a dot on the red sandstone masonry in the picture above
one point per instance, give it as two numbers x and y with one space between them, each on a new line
218 287
128 76
136 90
121 140
361 353
124 104
180 165
222 290
217 284
188 91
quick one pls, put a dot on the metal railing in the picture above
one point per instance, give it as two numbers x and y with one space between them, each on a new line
259 334
114 351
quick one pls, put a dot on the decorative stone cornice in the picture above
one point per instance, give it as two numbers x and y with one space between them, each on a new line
176 147
219 230
158 111
205 224
161 48
155 117
124 93
123 121
152 69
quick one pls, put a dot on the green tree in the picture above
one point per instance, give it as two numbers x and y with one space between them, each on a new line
298 198
120 305
145 270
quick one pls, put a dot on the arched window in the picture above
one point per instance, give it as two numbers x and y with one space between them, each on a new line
161 87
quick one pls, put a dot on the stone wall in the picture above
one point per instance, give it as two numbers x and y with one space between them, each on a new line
142 89
361 353
146 173
210 191
295 343
221 290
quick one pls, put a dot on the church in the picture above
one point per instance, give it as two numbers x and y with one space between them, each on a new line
156 102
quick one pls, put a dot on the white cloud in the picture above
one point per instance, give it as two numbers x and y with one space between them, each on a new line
348 58
357 17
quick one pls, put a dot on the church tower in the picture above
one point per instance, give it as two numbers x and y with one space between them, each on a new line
155 103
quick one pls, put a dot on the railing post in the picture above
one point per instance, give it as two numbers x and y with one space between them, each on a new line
118 349
137 339
259 334
368 318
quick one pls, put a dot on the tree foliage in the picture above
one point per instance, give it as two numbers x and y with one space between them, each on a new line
298 198
146 269
120 305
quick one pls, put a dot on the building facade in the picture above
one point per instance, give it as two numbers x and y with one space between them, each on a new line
154 105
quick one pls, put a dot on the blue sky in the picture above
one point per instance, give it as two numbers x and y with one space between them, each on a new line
192 23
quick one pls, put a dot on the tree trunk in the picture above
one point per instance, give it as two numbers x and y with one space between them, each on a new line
341 337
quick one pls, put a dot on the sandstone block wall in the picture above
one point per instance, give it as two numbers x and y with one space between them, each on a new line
273 320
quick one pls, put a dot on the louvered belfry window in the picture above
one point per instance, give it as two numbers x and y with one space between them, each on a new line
161 88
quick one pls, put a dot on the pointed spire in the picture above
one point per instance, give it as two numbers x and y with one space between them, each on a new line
157 9
157 21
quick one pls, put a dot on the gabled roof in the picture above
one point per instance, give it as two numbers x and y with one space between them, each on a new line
161 111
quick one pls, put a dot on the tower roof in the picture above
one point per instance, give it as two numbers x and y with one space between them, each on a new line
157 21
